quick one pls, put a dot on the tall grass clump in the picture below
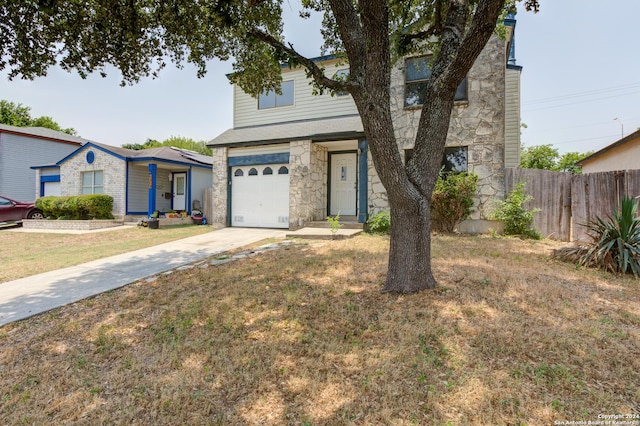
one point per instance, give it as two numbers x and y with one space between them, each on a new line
614 243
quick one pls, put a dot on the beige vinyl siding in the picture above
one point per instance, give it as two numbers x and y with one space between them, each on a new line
259 150
512 118
306 106
623 157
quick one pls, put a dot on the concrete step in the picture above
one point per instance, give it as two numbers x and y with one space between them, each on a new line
324 224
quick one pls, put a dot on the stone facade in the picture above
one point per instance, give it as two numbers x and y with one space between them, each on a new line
478 124
114 174
219 197
301 195
319 171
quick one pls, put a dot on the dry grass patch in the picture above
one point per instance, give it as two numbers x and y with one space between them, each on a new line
303 336
24 254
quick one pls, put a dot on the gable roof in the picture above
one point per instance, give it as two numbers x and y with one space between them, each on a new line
631 137
317 130
42 133
165 154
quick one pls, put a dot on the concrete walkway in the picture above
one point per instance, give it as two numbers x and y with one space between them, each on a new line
33 295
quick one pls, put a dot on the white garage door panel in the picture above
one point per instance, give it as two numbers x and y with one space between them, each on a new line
51 188
260 200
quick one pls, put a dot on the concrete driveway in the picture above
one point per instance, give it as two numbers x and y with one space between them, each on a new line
29 296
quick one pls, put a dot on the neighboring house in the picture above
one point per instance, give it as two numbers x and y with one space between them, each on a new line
623 154
295 158
20 148
140 182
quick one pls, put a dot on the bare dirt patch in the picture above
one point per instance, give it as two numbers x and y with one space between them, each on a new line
302 335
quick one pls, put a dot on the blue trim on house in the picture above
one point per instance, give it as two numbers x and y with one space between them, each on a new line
126 189
514 67
45 179
52 178
188 183
229 195
87 146
363 184
153 169
48 166
250 160
161 160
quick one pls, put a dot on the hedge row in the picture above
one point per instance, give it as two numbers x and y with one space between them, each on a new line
83 207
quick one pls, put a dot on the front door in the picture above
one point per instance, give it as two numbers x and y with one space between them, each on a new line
343 184
179 191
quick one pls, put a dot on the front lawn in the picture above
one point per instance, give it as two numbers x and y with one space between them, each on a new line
303 336
27 253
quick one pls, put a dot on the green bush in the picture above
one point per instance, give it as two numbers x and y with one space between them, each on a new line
516 219
614 244
452 200
379 223
90 206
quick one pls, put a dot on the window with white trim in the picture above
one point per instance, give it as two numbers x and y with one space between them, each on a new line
92 182
416 74
341 75
271 99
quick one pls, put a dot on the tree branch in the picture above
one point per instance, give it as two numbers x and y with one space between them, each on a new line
313 69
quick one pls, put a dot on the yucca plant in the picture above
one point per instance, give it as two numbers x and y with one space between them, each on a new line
615 243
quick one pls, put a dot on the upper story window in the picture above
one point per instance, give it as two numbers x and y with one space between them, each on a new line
454 160
341 75
417 72
92 182
272 100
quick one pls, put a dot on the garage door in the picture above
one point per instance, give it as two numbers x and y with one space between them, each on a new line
260 196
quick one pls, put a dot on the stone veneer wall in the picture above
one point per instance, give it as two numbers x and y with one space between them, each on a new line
114 174
220 184
478 124
319 166
301 195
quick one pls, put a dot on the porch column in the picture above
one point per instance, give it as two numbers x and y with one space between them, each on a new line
300 184
363 184
153 171
217 209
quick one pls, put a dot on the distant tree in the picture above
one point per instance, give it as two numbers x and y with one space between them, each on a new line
14 114
177 141
567 163
48 122
548 158
539 157
18 115
149 143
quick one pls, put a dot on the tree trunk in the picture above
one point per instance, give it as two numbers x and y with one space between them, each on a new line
409 268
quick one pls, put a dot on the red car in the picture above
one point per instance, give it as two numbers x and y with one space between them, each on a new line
15 211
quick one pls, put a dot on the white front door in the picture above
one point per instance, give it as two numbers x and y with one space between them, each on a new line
179 191
343 184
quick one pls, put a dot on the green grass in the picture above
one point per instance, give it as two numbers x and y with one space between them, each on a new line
24 254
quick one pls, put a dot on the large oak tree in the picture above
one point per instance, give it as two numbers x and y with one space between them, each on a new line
140 36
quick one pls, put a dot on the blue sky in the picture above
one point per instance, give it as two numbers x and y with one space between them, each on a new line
580 63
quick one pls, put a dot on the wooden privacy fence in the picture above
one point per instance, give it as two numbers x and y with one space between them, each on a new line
567 201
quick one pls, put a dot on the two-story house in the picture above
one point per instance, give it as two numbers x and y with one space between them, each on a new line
296 157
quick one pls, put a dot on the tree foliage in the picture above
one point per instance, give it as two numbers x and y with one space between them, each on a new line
140 36
18 115
176 141
548 158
